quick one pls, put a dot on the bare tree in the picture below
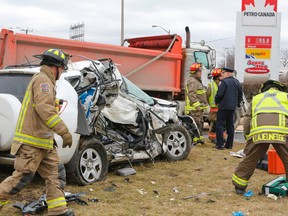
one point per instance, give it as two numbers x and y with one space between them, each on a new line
284 57
228 58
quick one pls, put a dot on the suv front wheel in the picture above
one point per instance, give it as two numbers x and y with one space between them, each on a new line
90 164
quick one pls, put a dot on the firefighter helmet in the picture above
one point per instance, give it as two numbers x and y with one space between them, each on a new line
195 67
216 72
272 83
54 57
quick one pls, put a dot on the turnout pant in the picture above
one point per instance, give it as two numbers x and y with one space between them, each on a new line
212 127
197 115
254 152
29 160
225 121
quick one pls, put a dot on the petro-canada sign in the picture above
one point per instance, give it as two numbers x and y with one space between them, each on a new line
258 41
259 12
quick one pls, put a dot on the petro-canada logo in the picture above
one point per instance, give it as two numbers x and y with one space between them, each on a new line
249 4
259 12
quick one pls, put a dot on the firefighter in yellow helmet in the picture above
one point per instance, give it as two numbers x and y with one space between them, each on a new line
212 89
265 123
33 143
195 98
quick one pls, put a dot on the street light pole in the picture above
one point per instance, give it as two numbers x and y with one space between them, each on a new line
122 22
153 26
225 56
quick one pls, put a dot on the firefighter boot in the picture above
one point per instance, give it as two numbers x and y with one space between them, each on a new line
2 203
199 140
239 190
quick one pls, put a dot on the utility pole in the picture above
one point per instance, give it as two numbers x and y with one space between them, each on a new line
27 30
122 22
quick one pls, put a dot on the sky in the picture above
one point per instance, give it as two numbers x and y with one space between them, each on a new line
213 21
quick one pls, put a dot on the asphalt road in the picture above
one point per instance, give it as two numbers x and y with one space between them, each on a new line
238 135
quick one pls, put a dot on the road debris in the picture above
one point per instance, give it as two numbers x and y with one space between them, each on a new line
40 205
272 196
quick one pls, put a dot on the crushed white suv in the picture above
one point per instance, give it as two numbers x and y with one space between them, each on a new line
133 127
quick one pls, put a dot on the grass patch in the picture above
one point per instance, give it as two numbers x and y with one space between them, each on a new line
199 185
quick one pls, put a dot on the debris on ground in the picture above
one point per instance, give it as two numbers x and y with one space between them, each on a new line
248 194
156 192
272 196
110 189
239 154
126 171
197 196
40 205
142 191
175 189
94 200
238 214
210 201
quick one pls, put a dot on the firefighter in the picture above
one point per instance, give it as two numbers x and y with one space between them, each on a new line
228 98
195 98
33 144
265 123
211 92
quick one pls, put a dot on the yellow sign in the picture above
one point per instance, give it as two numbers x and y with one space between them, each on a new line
258 53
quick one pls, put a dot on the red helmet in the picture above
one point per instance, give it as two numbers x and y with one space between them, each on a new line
195 67
216 72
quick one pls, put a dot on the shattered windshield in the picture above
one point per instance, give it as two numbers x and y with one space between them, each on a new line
136 92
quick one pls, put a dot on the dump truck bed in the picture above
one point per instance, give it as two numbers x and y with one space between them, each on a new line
152 63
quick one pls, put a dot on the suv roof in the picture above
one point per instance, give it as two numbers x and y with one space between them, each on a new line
20 70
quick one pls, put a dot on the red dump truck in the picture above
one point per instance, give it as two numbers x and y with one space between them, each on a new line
157 64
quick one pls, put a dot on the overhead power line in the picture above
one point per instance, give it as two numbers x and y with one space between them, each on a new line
220 39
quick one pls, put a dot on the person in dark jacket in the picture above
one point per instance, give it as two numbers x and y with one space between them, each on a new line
228 97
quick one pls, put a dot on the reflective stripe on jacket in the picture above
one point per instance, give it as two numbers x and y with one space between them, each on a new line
38 117
271 127
195 95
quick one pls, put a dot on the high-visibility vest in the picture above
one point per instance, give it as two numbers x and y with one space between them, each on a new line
189 107
214 88
271 101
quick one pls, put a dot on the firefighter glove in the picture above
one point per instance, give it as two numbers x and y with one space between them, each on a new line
67 140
